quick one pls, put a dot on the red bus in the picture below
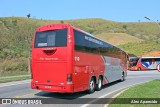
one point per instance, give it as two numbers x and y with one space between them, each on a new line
66 59
145 63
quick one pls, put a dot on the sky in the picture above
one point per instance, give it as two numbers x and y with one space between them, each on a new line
115 10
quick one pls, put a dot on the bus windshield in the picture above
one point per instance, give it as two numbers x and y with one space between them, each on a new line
133 62
56 38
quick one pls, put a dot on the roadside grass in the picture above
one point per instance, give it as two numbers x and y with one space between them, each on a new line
14 73
3 80
147 90
13 66
10 67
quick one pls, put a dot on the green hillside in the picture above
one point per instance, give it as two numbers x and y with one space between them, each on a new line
141 48
118 38
16 35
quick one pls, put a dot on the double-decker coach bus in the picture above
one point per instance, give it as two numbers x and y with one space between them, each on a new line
145 63
66 59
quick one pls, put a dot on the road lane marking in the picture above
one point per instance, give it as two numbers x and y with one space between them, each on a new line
106 105
14 84
26 94
142 76
103 96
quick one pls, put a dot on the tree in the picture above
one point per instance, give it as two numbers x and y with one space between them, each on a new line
124 26
62 21
29 15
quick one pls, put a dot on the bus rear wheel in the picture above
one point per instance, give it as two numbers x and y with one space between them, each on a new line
99 85
91 86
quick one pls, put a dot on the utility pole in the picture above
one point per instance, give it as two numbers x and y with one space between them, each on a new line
152 21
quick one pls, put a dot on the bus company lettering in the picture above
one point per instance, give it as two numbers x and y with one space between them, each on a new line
76 58
27 101
93 40
48 59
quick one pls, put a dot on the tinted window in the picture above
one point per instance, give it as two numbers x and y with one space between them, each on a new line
134 59
51 38
135 63
86 43
146 60
157 59
79 41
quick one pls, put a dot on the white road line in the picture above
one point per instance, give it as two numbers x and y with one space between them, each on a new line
6 85
142 76
103 96
106 105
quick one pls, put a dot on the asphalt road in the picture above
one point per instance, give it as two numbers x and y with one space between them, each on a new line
22 89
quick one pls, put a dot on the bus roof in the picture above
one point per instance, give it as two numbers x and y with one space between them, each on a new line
149 57
51 27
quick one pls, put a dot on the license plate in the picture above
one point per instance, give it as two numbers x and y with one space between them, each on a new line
47 87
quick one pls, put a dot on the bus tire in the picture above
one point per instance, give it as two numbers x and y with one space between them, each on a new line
91 86
139 69
122 77
99 84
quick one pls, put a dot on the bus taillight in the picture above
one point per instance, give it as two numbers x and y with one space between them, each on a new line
69 78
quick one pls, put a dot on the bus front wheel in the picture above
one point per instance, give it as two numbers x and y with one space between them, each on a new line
139 69
123 77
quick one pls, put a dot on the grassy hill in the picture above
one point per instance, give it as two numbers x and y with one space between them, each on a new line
141 48
118 38
16 35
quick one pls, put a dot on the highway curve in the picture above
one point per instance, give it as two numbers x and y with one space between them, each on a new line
21 89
